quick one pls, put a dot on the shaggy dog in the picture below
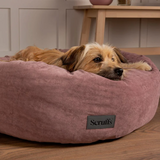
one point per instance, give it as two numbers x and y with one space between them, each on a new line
104 60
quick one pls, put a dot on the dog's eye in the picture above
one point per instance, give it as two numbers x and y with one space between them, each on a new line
97 59
113 59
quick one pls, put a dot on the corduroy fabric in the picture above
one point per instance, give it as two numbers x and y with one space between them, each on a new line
45 103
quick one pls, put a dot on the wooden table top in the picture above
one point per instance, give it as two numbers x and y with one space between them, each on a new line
143 143
117 7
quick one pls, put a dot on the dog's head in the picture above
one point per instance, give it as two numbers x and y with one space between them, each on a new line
103 60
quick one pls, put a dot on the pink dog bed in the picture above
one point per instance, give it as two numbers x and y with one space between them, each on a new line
45 103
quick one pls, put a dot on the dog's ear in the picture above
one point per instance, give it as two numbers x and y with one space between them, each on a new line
71 57
120 56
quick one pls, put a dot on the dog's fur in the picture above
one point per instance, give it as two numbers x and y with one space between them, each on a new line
104 60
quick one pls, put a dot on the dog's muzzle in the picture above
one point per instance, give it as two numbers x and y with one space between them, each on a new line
112 73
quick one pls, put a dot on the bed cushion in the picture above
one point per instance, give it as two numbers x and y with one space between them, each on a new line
45 103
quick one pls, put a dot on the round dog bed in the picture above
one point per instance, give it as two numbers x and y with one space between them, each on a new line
45 103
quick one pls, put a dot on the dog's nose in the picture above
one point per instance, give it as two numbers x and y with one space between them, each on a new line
118 71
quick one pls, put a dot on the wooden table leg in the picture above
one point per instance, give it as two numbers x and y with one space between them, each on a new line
100 26
85 29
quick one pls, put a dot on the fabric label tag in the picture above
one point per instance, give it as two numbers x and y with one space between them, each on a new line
100 122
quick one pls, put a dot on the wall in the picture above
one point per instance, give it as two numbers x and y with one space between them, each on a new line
55 24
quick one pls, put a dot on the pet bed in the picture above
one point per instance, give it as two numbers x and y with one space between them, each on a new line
45 103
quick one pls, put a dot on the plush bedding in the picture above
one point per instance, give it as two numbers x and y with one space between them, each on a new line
45 103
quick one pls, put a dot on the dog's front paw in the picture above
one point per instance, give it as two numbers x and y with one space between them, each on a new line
146 67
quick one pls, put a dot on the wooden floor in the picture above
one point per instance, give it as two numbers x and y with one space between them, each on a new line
143 144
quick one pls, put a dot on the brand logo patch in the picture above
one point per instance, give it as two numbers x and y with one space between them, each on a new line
100 122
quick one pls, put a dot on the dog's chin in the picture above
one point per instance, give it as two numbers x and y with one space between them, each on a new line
110 76
113 78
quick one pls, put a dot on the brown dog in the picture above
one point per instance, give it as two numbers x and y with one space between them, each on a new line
103 60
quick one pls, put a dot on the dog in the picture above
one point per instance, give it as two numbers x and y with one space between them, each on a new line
103 60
